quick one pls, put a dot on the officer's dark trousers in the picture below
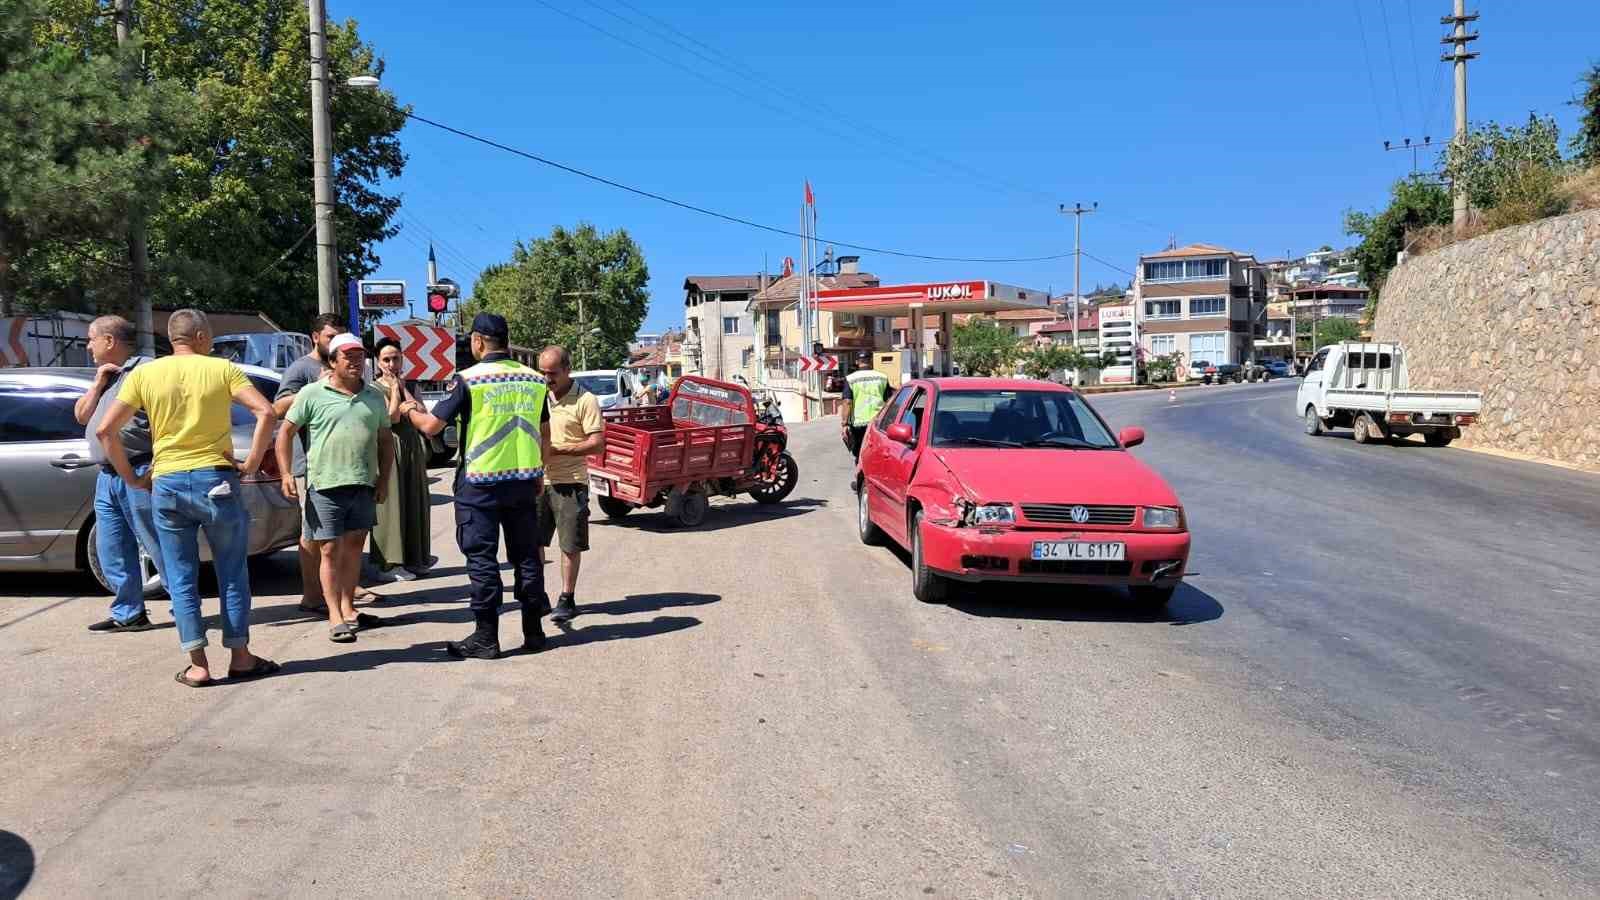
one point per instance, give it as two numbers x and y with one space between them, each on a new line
482 513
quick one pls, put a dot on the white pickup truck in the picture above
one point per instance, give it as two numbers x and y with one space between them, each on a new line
1362 386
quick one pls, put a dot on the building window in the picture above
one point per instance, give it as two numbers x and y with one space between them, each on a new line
748 357
1186 270
730 324
880 325
1163 309
1163 344
774 327
1211 347
1208 306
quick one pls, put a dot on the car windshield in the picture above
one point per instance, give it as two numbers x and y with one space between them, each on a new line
1018 418
599 385
233 351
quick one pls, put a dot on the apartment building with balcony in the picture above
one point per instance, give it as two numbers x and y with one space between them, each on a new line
720 339
1203 301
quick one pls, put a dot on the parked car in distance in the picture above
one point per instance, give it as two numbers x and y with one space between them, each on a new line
1366 387
611 387
1198 367
992 480
1277 368
47 481
274 350
1221 373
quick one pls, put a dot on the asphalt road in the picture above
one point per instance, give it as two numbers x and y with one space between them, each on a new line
1380 681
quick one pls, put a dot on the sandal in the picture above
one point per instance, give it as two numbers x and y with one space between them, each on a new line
184 679
262 668
343 633
366 620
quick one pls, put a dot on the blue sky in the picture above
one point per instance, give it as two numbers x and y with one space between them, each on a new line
938 128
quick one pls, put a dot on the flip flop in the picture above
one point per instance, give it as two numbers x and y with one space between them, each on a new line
262 668
343 633
366 620
184 679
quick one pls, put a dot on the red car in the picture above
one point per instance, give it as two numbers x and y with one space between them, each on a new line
995 479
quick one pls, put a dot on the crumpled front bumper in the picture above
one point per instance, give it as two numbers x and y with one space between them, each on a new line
994 554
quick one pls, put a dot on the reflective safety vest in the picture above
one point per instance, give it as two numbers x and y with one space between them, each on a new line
866 395
502 439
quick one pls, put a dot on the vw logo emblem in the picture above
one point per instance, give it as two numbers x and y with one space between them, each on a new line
1080 514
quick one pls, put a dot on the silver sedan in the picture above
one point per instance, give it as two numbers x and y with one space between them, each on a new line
47 481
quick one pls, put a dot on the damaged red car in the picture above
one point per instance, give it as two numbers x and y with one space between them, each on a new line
1001 480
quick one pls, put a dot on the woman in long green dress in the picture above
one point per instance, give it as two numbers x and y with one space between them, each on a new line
400 540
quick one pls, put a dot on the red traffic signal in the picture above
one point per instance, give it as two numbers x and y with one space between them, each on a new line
437 302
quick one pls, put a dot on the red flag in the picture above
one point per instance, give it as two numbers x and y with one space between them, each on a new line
810 200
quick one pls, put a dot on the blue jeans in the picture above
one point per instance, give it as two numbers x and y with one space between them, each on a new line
123 523
184 505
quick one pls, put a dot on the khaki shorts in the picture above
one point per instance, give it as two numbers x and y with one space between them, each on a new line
564 511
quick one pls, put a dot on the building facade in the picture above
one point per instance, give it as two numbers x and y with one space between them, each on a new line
720 334
1202 301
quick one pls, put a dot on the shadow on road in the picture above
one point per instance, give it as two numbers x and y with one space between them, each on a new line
720 517
16 865
1070 603
635 603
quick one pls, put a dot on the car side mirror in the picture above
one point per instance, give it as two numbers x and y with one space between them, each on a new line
1131 437
900 433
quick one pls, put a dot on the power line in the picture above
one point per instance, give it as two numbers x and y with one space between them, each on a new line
713 213
1366 54
1109 265
1394 77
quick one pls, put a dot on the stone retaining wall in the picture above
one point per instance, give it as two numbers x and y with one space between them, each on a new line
1514 314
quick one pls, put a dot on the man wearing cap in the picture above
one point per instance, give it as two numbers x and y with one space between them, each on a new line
504 424
866 390
347 475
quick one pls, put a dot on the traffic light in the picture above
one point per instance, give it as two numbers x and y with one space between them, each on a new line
439 295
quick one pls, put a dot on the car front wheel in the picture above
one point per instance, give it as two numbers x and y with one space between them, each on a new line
869 533
153 588
926 585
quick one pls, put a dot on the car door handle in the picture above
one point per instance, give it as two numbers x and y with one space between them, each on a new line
71 462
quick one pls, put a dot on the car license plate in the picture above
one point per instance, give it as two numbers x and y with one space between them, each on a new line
600 486
1080 551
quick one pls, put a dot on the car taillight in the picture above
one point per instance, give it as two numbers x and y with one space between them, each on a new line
1466 420
1400 418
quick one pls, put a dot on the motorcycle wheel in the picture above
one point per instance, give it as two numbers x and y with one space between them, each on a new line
787 476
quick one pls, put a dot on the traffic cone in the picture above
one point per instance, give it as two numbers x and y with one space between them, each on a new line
1172 395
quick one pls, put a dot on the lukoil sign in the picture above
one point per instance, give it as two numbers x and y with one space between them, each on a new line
950 292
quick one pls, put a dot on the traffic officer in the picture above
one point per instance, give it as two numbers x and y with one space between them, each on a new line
866 390
504 425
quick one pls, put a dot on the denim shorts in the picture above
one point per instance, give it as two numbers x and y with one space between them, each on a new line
336 511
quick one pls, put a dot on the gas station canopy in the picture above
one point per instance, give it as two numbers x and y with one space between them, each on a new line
931 299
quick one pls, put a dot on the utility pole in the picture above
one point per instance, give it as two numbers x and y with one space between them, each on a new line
138 249
1078 211
322 162
1459 55
583 330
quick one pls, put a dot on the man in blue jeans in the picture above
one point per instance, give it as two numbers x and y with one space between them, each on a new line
188 397
123 520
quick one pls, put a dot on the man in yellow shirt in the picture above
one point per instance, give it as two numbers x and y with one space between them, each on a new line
576 430
194 482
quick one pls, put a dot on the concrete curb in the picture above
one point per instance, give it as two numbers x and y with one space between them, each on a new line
1125 388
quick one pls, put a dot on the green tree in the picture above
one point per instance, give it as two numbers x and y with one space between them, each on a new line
538 292
86 148
982 347
1334 330
1045 360
233 227
1512 173
1164 367
1414 203
1585 142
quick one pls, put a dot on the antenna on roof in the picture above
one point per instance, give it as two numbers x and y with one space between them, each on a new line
1172 242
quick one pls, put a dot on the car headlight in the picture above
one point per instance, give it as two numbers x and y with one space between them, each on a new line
1163 517
993 514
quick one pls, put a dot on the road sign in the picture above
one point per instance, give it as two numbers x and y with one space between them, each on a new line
382 294
823 363
428 351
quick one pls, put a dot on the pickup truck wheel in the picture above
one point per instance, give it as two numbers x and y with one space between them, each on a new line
613 507
693 508
926 585
870 534
1437 438
1314 425
1365 431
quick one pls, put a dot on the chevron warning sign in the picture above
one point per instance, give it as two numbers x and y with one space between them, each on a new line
429 351
819 363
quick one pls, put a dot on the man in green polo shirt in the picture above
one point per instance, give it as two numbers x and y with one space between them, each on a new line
347 475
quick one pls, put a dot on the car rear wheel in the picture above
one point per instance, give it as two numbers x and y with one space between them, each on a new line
926 585
613 507
870 534
153 588
1365 430
1151 598
692 509
1313 422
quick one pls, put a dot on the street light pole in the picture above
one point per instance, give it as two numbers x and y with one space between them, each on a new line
583 330
322 162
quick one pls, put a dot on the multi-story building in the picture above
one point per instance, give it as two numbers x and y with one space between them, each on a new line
776 313
1202 300
1328 301
721 337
